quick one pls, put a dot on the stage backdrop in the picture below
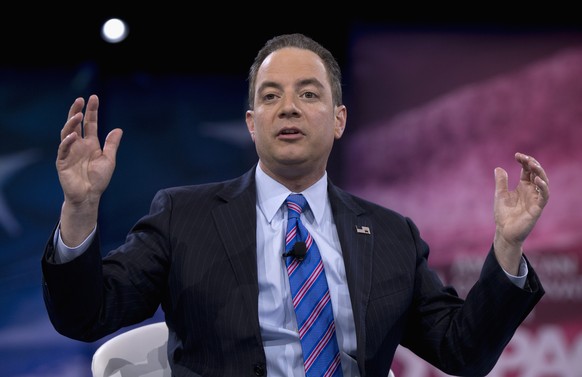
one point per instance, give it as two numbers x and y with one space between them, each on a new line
177 130
432 115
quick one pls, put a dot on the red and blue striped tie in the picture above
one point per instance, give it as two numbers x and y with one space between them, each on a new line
311 298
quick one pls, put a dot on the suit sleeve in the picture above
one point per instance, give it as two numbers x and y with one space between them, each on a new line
72 291
90 297
467 337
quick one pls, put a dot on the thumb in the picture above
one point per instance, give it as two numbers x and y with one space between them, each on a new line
112 142
501 181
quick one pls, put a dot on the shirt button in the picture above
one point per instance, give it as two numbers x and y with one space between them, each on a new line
259 369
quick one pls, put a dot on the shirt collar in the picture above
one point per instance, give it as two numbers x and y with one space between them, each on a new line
271 195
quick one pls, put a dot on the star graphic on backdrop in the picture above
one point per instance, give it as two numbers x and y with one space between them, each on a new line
233 132
10 165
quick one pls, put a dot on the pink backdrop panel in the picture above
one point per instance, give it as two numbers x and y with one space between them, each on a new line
435 114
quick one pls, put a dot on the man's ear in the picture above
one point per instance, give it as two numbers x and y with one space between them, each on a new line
341 113
250 120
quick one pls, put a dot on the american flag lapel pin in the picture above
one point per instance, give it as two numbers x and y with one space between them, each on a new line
363 230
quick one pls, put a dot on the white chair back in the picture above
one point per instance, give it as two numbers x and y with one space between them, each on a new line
140 352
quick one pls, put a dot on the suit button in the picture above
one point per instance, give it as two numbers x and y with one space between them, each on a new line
259 369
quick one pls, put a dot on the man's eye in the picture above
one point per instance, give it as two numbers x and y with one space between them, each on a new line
269 97
309 95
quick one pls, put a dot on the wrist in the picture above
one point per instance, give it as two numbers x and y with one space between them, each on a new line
508 254
77 222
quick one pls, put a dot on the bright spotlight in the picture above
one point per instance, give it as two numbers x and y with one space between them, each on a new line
114 30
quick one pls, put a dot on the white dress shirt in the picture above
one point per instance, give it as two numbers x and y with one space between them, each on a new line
276 313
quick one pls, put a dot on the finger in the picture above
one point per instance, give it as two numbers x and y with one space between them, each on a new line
76 107
74 118
532 169
529 167
543 188
538 171
529 163
525 161
90 120
65 145
533 172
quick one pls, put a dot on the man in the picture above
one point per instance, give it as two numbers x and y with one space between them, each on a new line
211 254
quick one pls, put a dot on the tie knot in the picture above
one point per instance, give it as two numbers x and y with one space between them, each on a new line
295 204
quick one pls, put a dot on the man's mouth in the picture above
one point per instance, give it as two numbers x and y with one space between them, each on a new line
289 131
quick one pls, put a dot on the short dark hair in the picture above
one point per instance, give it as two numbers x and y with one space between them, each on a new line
304 42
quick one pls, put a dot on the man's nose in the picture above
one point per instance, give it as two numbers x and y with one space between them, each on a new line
289 106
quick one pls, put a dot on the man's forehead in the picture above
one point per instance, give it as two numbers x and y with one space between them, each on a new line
292 58
292 65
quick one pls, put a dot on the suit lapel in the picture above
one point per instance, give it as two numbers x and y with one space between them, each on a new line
356 237
236 221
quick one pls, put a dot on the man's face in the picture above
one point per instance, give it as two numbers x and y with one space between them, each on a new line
294 122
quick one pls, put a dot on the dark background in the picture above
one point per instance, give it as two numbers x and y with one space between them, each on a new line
223 39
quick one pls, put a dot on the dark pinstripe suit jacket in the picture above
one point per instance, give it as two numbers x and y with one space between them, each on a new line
195 253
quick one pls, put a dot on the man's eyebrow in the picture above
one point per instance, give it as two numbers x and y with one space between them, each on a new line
269 84
309 81
299 84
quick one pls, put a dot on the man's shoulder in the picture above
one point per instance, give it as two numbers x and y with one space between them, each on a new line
228 188
360 203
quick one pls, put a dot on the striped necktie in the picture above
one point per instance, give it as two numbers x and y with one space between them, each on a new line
311 298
